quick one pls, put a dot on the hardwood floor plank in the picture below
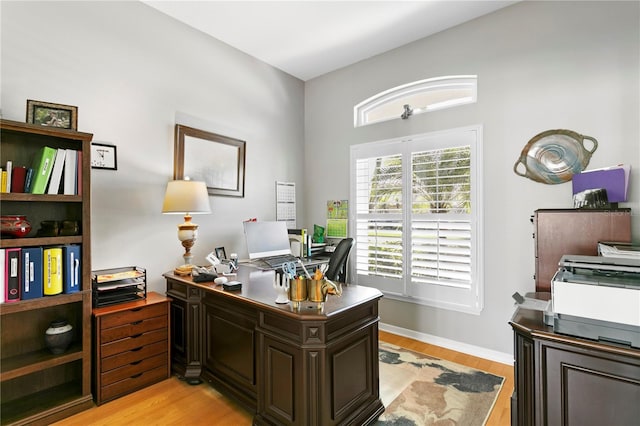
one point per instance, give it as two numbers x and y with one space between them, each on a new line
175 402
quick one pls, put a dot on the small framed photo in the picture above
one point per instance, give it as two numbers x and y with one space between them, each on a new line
220 253
52 115
103 156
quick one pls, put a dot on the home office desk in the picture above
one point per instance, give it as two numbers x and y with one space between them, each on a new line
304 367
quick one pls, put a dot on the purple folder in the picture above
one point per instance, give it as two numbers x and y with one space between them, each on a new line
614 180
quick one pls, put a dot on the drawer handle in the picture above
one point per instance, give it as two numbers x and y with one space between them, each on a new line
135 309
136 349
135 376
136 362
136 322
135 336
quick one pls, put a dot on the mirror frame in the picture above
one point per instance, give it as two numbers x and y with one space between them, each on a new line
182 168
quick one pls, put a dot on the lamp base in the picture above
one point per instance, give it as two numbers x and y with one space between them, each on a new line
183 270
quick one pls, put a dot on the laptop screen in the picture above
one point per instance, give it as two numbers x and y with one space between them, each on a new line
266 239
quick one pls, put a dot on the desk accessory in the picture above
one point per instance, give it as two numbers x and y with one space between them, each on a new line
186 197
118 285
281 284
232 286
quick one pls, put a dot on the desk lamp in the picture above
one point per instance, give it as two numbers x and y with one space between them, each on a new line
186 197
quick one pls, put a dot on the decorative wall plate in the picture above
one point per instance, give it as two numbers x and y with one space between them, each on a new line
554 156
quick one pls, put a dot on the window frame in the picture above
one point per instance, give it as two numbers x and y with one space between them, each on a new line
361 110
469 300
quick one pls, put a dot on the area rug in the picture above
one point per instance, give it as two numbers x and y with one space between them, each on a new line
417 389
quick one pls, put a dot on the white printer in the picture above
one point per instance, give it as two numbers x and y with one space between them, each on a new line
598 298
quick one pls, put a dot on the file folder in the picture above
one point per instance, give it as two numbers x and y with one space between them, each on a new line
12 275
614 179
32 273
52 271
71 272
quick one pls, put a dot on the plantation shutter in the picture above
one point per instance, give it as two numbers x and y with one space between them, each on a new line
379 207
440 221
417 212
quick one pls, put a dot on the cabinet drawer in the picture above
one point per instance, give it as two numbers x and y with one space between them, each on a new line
132 315
134 355
132 329
133 342
134 369
130 384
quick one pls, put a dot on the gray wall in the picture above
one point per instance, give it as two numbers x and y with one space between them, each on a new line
133 72
540 66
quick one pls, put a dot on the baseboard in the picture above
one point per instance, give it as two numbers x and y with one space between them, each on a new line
501 357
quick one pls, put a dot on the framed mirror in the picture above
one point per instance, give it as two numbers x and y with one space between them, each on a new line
214 159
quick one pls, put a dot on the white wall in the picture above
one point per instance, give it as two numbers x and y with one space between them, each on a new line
540 66
133 73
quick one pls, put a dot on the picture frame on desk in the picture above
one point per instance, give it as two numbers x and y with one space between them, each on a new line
217 160
221 253
104 156
52 115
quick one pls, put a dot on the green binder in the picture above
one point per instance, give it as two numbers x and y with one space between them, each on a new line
42 166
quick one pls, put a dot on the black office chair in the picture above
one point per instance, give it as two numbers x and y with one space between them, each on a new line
337 270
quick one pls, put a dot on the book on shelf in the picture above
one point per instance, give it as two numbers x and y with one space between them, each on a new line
9 173
28 180
32 273
71 272
70 172
12 275
18 178
42 166
52 270
79 173
3 180
56 173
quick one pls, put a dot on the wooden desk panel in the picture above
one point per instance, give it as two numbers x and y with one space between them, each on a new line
297 367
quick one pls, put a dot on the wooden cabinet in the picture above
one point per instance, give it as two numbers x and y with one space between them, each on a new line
571 231
289 367
561 380
38 387
131 346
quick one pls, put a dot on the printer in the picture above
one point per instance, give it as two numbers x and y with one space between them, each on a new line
597 297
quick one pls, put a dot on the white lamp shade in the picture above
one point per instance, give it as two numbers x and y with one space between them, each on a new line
186 196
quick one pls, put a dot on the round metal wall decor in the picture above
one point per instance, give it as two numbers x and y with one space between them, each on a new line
554 156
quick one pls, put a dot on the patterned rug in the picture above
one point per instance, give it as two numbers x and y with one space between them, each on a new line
417 389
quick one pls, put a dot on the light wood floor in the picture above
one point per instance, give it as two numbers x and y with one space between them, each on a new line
174 402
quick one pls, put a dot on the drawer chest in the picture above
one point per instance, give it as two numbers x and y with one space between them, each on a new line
131 346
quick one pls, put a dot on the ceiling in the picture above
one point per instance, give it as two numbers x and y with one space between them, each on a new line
310 38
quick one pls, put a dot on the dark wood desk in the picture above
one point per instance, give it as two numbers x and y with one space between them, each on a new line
563 380
289 367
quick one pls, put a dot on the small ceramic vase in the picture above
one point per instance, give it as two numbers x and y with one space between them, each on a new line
58 336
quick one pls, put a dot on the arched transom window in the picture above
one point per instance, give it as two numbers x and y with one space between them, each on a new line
417 97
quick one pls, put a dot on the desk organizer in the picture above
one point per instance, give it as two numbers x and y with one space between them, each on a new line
118 285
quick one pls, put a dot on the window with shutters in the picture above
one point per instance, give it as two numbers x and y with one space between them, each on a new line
417 218
416 98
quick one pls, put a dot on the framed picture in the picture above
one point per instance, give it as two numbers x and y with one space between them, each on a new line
103 156
214 159
52 115
220 253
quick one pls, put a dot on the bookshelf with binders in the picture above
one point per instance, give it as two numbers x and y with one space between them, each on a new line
36 385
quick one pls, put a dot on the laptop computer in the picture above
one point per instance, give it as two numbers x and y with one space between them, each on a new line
268 243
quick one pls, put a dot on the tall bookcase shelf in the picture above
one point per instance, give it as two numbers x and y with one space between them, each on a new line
36 386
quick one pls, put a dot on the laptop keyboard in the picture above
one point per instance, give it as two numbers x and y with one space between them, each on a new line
277 261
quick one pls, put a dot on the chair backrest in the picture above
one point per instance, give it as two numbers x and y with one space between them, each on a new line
337 270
